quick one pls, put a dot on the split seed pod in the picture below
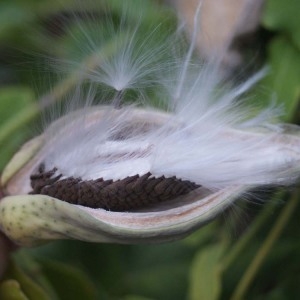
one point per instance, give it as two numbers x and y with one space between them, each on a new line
125 174
131 149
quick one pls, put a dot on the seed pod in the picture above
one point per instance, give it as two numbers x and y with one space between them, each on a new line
119 173
31 219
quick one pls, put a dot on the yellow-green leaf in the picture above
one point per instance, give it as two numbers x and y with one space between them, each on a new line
10 290
28 286
205 274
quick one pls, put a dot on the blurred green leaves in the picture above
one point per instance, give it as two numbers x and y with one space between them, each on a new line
283 57
68 281
14 100
12 17
45 281
284 78
205 277
10 290
18 284
283 17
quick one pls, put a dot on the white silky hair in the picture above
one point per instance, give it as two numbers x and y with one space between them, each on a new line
208 135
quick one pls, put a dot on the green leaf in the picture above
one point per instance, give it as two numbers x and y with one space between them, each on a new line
135 297
34 270
205 275
68 282
284 16
11 290
283 80
28 286
13 100
118 270
12 15
198 238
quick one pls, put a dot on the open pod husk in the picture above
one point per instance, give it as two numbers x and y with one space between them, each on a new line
30 220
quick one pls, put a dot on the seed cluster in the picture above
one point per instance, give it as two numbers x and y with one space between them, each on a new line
132 192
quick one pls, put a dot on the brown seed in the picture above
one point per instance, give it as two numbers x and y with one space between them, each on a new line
130 193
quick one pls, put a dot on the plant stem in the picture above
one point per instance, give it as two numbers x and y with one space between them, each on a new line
248 235
274 234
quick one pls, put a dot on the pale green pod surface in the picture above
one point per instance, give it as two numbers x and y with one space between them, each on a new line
20 159
33 219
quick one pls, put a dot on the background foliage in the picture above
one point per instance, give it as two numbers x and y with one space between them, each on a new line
250 252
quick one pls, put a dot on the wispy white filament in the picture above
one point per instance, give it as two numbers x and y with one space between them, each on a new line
207 136
190 51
